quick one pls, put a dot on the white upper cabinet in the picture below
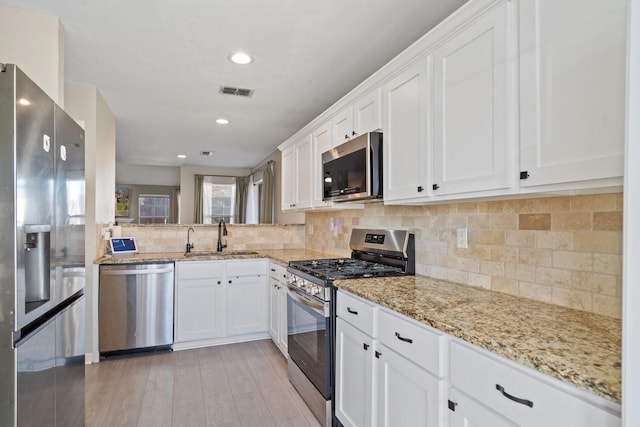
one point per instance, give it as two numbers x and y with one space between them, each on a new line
572 91
406 122
473 128
297 175
322 142
288 172
342 124
503 98
361 117
367 114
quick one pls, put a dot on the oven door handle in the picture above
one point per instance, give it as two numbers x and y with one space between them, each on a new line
314 305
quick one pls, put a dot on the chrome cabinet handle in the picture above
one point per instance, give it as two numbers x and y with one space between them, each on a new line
515 399
401 338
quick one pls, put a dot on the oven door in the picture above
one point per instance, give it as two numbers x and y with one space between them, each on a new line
308 333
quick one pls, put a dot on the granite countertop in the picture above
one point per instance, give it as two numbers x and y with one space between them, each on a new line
577 347
282 256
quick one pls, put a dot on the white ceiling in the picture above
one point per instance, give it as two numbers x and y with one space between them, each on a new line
159 65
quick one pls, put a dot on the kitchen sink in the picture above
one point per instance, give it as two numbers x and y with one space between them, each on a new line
219 254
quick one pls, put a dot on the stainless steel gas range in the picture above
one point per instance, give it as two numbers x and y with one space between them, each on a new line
311 307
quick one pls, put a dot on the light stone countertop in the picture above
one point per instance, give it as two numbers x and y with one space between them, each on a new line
577 347
282 256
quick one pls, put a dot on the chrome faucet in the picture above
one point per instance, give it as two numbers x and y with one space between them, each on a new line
189 245
222 231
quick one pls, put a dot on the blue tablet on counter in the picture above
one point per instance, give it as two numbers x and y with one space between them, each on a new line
123 246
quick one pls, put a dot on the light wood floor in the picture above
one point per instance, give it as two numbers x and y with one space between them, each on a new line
233 385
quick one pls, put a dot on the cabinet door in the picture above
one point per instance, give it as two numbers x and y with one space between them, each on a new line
274 311
465 412
200 309
247 305
406 395
406 120
304 173
288 185
283 343
367 114
572 90
353 376
342 125
322 142
473 87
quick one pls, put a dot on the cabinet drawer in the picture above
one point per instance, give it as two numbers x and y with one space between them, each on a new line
277 271
246 268
526 398
411 340
199 269
357 312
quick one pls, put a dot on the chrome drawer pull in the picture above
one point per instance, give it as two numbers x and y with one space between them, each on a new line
352 311
515 399
401 338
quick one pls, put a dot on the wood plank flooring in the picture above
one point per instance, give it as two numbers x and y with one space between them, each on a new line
235 385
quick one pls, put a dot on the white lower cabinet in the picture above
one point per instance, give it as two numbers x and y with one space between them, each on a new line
220 301
278 307
375 385
493 390
466 412
405 394
354 375
392 371
200 300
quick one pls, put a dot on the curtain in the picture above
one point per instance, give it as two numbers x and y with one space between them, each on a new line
175 206
252 208
242 190
268 191
198 198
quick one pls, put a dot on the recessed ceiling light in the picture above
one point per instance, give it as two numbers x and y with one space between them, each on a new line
240 58
222 121
182 156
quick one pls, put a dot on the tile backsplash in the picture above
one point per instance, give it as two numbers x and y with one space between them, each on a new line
561 250
173 238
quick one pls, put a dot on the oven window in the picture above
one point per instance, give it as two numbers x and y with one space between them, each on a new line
307 334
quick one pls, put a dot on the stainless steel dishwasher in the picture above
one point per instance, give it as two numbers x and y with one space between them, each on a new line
135 307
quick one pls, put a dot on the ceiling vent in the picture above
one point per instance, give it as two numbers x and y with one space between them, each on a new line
237 91
206 153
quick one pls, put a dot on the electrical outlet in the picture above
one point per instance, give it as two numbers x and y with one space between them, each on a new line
462 238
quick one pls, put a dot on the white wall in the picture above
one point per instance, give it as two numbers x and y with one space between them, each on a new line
34 42
631 227
147 175
187 186
86 105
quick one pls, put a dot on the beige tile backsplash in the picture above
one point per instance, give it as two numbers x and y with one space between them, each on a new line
562 250
173 238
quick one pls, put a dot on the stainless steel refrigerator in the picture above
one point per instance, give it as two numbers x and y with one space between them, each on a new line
42 274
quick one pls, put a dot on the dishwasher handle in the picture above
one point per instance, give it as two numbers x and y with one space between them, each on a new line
136 272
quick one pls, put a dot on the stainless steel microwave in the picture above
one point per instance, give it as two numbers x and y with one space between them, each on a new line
353 171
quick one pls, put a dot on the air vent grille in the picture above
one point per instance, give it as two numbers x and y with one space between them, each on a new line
237 91
206 153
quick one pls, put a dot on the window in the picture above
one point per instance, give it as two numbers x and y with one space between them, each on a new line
218 194
153 208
